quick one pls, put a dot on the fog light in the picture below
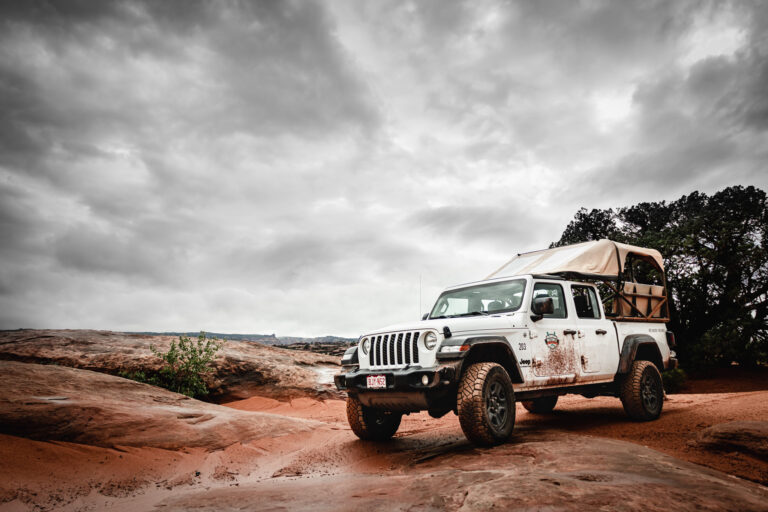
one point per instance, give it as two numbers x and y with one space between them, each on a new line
424 379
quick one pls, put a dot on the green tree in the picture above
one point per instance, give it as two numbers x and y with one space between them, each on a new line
590 225
716 258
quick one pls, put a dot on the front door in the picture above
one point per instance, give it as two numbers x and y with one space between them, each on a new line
554 354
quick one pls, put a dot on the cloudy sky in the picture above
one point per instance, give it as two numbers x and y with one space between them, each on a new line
299 167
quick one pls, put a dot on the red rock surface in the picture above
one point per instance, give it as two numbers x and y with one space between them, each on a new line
538 471
56 403
747 437
241 370
553 462
174 453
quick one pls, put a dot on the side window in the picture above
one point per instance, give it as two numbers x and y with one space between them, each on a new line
585 300
558 298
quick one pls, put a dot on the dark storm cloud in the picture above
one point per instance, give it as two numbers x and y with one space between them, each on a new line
90 251
269 66
704 121
301 166
470 223
273 67
17 222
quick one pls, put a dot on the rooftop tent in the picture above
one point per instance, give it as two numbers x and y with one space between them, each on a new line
602 259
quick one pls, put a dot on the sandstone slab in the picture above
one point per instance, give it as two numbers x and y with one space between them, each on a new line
748 437
242 368
49 402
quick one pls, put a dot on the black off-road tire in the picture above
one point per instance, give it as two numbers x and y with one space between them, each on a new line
540 405
642 391
371 424
486 404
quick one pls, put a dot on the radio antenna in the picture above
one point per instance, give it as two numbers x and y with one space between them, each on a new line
419 295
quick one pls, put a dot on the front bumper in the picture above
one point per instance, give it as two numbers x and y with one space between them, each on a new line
406 389
406 379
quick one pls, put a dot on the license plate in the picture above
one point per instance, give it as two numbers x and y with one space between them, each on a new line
376 381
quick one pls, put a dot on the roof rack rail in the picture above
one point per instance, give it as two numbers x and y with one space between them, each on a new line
548 276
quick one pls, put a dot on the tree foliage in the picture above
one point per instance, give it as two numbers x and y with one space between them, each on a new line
716 258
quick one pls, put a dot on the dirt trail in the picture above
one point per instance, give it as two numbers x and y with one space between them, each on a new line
585 455
674 433
552 461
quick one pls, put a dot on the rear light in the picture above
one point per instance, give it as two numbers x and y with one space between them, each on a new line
671 339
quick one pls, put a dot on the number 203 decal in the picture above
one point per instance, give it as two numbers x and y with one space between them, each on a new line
522 346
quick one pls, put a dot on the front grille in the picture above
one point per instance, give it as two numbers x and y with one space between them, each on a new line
394 350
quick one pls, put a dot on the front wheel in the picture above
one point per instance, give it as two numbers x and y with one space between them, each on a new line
371 424
642 393
486 404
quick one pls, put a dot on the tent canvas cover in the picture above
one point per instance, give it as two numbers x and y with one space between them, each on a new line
601 259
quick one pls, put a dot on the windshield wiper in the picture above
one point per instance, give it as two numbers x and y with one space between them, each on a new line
474 313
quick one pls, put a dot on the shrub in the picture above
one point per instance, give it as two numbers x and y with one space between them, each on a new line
185 365
674 380
140 376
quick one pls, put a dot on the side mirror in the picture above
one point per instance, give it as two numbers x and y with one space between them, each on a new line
542 306
425 316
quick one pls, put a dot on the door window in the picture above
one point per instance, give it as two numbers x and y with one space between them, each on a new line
555 291
585 301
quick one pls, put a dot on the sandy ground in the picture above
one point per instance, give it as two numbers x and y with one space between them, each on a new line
305 470
674 433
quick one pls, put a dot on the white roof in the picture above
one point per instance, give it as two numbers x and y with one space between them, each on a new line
600 259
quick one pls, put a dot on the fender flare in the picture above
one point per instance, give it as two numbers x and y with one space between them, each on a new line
350 357
629 350
476 341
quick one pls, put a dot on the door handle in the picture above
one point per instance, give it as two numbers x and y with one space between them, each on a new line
569 331
601 331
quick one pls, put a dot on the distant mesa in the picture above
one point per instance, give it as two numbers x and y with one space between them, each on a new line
329 345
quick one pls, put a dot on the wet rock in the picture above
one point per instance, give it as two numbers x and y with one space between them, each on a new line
748 437
536 471
242 368
49 402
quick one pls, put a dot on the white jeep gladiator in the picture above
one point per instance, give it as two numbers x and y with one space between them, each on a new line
532 331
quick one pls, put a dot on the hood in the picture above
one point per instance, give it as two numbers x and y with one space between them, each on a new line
457 325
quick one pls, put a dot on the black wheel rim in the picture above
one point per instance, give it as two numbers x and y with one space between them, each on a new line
380 418
496 405
649 389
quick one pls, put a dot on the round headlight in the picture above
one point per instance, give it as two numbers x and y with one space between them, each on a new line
366 345
430 340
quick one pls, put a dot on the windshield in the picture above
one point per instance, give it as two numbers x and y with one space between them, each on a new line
482 299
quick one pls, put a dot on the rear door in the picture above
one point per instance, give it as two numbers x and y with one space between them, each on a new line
553 338
596 338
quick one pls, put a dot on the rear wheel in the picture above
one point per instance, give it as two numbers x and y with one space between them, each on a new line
642 393
541 405
371 424
486 404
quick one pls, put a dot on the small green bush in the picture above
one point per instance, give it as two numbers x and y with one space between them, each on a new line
140 376
186 363
674 380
